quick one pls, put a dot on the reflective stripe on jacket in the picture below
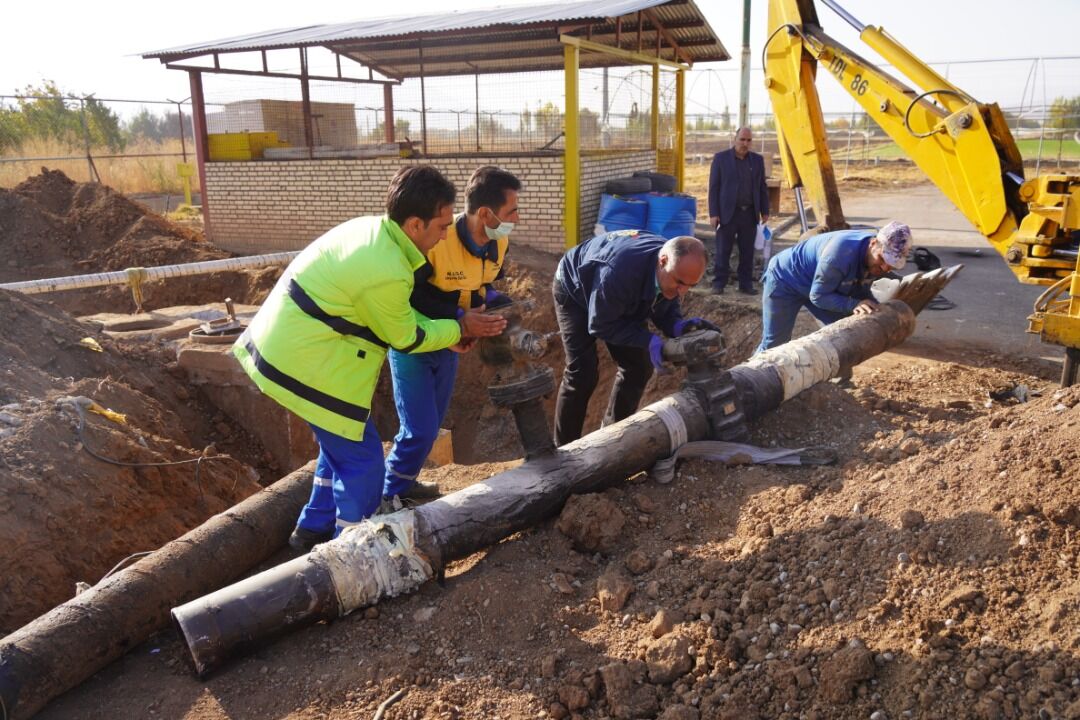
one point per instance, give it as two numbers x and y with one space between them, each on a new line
318 343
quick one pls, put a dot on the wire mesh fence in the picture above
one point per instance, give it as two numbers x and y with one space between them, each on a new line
1048 139
147 145
132 145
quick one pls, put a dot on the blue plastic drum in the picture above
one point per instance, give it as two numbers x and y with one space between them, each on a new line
622 213
671 214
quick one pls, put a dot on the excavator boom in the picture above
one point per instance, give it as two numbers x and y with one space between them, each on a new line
964 147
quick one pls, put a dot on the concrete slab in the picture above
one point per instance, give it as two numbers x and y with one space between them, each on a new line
171 323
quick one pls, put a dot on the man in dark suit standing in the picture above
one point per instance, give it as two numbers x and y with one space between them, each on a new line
738 200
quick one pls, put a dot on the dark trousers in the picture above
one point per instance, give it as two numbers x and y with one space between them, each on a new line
739 232
582 371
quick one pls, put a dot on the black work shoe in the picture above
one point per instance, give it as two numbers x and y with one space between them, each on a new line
717 289
748 291
303 539
421 491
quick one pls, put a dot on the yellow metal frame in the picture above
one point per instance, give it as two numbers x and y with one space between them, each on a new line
964 147
572 47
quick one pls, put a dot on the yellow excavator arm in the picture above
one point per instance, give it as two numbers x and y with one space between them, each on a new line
964 147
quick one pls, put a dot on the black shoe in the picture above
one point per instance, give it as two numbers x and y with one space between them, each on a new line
303 539
421 491
748 291
717 289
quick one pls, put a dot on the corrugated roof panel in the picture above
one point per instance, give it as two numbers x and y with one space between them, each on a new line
507 39
415 24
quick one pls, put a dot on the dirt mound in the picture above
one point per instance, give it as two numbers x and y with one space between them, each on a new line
70 516
51 226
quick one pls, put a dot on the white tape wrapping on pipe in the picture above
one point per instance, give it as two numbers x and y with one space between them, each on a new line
801 363
673 420
374 560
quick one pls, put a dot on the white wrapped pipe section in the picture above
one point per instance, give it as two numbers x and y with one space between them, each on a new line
374 560
801 363
139 275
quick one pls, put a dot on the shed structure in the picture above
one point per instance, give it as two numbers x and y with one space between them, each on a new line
281 167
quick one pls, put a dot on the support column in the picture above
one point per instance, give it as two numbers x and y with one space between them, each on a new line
388 112
680 129
572 155
654 120
202 151
305 94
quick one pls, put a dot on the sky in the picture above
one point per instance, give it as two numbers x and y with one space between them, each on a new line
93 47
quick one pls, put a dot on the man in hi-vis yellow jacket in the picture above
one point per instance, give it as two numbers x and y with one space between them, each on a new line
318 343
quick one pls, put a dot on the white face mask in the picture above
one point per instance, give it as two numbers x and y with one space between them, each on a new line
504 229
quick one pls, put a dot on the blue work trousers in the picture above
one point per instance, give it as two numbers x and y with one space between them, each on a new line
423 383
348 481
780 305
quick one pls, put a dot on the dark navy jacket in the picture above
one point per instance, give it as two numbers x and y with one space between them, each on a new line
613 277
828 269
724 185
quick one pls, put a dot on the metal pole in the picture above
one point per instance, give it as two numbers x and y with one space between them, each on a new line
423 97
572 153
744 89
476 86
848 17
183 144
305 94
94 177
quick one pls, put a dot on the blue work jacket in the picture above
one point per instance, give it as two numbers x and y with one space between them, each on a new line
828 269
613 277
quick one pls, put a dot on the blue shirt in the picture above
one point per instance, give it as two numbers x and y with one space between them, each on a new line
829 269
613 277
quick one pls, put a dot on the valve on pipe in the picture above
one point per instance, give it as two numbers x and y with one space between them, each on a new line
521 384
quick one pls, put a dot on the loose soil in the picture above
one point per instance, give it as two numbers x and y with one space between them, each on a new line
931 572
52 226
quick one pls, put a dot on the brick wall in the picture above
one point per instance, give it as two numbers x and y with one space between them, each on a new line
260 207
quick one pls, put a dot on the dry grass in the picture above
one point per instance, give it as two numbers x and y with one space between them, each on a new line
125 174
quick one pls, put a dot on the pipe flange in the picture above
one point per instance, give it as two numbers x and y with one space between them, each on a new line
538 383
721 399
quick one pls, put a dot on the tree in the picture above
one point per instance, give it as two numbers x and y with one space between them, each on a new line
47 113
1065 113
725 119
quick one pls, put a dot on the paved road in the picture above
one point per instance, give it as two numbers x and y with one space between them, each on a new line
991 305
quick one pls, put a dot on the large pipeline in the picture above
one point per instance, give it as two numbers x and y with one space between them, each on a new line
74 640
392 554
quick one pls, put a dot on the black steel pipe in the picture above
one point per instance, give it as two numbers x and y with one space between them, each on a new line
480 515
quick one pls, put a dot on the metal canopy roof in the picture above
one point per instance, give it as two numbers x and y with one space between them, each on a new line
501 39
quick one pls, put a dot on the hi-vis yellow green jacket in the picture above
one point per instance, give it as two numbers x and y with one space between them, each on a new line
318 343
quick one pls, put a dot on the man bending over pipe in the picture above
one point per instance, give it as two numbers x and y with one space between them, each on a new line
606 289
830 275
318 343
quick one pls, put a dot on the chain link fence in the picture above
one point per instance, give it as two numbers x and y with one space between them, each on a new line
134 146
146 146
1048 141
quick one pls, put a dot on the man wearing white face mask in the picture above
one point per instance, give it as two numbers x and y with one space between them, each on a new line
456 282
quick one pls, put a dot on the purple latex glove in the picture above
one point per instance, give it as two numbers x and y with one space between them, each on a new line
494 299
656 354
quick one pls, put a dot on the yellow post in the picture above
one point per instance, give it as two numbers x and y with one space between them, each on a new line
572 155
185 171
680 128
654 124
